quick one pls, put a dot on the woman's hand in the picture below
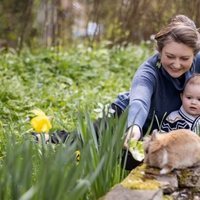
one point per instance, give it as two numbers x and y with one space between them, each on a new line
132 133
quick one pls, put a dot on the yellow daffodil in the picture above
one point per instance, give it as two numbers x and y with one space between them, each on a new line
40 122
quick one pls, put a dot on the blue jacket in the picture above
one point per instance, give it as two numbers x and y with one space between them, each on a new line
153 93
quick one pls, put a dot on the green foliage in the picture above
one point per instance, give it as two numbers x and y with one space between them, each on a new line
44 171
63 84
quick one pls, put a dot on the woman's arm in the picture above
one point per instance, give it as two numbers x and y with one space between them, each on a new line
143 87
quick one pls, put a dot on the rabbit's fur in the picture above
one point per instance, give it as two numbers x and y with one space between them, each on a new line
174 150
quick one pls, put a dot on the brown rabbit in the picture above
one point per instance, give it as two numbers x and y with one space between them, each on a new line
174 150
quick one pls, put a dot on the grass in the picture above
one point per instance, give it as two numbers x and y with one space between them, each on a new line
73 87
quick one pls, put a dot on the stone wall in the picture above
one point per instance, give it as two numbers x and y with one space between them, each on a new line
145 183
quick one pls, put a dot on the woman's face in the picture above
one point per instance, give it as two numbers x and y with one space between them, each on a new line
176 58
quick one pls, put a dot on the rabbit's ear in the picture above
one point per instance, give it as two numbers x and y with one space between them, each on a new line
156 146
154 134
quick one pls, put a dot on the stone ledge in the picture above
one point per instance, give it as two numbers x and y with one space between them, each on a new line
136 186
121 193
146 183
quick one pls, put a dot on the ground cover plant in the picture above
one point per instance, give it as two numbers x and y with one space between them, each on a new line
72 86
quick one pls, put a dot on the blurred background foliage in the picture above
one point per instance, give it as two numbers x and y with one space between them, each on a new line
63 22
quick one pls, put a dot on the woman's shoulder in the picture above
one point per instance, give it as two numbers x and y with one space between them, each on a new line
148 71
151 64
153 60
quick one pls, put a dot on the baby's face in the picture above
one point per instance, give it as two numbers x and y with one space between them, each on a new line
191 100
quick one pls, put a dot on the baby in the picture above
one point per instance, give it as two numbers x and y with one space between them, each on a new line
174 150
188 116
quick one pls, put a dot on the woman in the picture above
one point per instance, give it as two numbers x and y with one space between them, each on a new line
158 82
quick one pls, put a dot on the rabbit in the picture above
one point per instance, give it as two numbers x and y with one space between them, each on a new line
176 149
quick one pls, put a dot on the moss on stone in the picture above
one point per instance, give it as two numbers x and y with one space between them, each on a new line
167 197
184 174
136 180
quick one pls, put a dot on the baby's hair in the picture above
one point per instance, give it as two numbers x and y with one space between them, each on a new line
193 80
